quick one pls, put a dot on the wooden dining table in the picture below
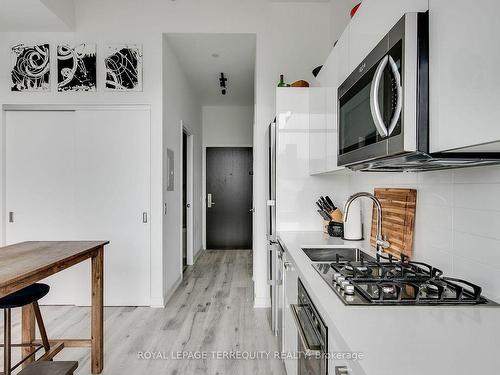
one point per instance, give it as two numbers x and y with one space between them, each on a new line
26 263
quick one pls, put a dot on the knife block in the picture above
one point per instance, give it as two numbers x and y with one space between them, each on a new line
337 216
333 228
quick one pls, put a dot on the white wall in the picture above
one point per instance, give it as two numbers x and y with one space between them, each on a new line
292 38
340 13
227 125
180 103
457 219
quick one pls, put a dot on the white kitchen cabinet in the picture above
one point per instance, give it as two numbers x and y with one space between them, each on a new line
374 19
464 56
323 105
317 130
290 283
332 133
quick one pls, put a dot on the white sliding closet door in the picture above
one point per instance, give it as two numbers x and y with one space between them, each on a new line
39 189
84 174
112 198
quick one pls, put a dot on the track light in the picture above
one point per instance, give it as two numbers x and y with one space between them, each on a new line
222 82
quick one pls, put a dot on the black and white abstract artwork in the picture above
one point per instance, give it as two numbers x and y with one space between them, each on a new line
123 67
76 67
30 67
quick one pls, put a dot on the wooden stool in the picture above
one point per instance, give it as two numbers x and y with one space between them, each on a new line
29 295
50 368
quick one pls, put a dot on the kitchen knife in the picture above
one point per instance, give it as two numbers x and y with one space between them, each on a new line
322 206
330 202
325 203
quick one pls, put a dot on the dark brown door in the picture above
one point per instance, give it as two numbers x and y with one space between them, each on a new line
229 197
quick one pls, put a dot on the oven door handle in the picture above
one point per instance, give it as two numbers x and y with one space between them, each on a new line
302 335
374 104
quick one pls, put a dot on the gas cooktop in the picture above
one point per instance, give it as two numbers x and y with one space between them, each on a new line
387 280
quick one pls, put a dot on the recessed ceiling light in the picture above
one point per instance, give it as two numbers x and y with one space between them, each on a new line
215 55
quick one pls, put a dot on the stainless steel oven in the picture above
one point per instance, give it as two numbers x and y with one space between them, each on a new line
312 336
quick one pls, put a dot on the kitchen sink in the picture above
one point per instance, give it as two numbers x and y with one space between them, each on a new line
330 254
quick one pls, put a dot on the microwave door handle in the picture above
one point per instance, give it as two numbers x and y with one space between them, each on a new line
399 93
374 104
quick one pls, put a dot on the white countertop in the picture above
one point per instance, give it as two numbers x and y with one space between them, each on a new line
409 340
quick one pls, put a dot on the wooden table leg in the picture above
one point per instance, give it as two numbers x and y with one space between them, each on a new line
28 332
97 324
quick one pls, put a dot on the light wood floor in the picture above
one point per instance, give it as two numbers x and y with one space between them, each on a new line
211 311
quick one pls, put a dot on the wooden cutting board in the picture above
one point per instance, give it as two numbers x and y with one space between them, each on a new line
398 219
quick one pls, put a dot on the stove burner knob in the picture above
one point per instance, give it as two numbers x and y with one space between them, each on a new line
340 279
344 283
336 275
349 289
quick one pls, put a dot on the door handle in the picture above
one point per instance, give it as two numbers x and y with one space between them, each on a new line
210 202
302 335
399 93
341 370
251 210
382 129
374 104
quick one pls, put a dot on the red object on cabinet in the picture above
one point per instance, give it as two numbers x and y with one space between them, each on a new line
354 10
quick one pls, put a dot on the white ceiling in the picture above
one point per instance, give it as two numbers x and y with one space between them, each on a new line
236 60
36 15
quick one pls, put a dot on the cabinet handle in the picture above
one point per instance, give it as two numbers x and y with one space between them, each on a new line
144 217
288 266
341 370
11 217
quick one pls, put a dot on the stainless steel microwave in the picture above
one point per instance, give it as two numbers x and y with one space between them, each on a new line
383 107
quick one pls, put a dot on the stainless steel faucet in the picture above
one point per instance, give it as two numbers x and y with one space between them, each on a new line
381 243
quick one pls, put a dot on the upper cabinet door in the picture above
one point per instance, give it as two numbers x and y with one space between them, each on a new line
373 21
317 130
464 57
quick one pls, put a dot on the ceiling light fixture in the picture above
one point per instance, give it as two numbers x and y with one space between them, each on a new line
222 83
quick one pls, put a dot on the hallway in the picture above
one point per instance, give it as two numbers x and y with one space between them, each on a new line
212 311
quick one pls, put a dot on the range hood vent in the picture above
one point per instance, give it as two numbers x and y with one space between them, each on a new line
419 162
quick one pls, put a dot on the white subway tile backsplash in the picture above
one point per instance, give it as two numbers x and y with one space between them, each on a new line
478 196
405 178
435 195
479 175
435 177
483 223
480 249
